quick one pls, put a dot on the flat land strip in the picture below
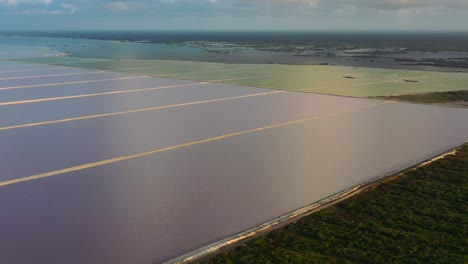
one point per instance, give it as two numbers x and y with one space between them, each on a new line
326 79
419 217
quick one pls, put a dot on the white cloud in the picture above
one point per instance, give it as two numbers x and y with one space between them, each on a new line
120 6
68 8
336 4
16 2
405 4
45 7
343 8
246 8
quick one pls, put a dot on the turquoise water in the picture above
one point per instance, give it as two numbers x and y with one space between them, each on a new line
18 52
396 51
90 48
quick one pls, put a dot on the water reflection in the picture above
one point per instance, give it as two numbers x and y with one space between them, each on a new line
159 206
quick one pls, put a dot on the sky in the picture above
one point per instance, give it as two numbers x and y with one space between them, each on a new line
341 15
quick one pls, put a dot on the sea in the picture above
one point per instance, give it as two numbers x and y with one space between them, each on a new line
440 51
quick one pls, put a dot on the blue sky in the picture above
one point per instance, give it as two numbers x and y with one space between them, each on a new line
234 14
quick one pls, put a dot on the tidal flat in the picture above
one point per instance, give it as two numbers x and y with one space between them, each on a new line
324 79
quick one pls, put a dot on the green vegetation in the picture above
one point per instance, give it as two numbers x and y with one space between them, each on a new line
457 97
419 217
326 79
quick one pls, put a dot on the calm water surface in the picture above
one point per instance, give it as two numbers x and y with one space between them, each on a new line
157 207
360 49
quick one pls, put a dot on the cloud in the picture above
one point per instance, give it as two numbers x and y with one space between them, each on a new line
406 4
278 9
239 8
16 2
337 4
42 7
236 7
340 8
68 8
120 6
